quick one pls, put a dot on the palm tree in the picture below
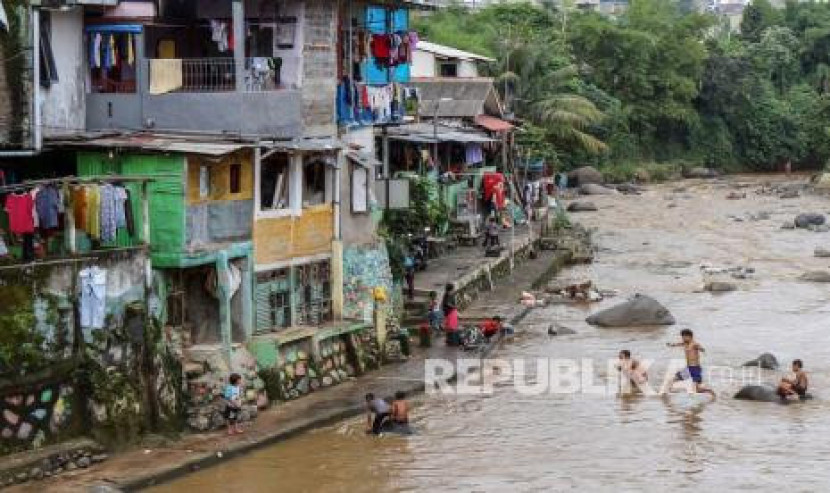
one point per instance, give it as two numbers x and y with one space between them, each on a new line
537 85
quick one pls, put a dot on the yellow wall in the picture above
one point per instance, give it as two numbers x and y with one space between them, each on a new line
283 238
220 181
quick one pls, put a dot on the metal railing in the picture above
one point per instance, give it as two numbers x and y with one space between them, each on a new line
213 74
208 75
192 75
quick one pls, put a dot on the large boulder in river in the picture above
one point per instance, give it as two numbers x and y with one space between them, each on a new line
639 310
595 189
720 286
816 276
766 361
821 252
809 219
582 207
760 393
700 173
584 175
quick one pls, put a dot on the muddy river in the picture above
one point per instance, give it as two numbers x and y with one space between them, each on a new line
654 243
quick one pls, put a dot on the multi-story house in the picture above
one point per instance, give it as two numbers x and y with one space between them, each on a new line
260 201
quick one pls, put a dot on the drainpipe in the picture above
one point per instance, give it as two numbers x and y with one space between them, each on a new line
223 289
239 43
37 137
337 245
338 168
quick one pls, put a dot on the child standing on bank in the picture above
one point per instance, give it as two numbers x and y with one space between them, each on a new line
434 312
233 403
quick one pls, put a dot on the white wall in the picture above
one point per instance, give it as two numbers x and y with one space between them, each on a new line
292 59
423 64
64 103
467 68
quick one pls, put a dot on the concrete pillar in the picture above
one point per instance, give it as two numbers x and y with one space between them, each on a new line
337 279
238 13
246 291
380 327
224 295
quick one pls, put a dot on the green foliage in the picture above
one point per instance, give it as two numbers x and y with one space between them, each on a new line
661 82
426 212
21 346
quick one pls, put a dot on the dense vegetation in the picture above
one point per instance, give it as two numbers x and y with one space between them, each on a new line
660 82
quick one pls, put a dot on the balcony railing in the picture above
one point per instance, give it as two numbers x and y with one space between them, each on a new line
199 75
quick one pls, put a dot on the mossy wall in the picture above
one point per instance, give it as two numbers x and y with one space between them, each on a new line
59 380
16 77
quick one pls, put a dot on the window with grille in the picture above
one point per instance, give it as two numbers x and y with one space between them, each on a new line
273 304
312 291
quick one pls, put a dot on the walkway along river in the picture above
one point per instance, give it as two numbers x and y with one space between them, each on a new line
508 441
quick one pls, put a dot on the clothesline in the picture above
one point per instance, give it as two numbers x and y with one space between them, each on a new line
86 258
71 180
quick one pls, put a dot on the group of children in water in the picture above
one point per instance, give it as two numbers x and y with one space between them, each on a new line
788 387
381 416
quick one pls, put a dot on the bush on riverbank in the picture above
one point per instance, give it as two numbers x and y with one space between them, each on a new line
642 172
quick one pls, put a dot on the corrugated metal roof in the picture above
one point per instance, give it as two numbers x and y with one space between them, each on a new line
363 159
449 52
457 98
155 143
310 145
424 133
192 144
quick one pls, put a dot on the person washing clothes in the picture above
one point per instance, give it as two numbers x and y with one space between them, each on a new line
450 309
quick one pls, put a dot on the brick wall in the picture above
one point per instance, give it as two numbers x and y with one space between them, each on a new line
320 68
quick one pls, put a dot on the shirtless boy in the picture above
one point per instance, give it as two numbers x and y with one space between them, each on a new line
693 370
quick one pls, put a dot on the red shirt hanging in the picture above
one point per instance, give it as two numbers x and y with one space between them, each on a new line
19 208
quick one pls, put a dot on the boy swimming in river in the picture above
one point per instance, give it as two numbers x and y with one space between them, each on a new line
693 369
795 387
632 372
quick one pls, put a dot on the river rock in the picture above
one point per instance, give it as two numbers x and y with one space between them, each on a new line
83 462
808 219
766 361
759 393
640 310
595 189
584 175
792 194
816 276
700 172
582 207
720 286
559 330
628 188
821 252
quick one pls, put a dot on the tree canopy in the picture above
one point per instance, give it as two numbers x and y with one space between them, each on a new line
660 81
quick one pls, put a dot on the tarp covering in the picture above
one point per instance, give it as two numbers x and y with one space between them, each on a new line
493 124
114 28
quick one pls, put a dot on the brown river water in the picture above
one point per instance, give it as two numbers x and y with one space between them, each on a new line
509 441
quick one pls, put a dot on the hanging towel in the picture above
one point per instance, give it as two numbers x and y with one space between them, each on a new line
130 52
93 297
109 220
165 75
93 212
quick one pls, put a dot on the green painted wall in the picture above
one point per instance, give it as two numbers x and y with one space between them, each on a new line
166 193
